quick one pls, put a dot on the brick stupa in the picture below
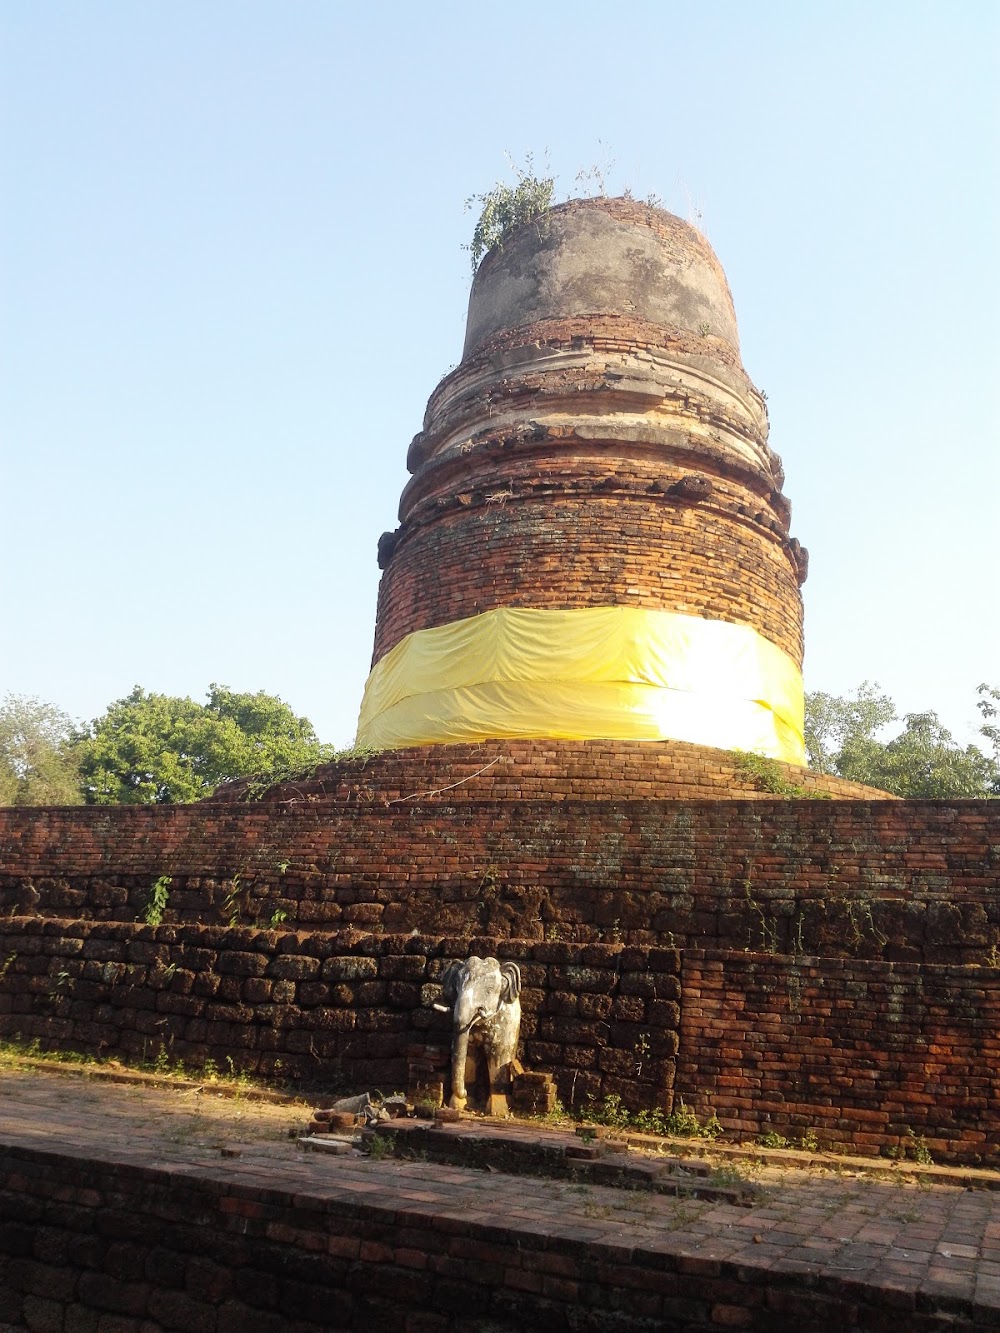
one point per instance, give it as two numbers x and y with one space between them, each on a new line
593 591
597 464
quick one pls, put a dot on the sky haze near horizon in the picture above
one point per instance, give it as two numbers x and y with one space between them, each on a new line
232 273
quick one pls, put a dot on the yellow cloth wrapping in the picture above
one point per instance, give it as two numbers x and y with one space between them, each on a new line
614 672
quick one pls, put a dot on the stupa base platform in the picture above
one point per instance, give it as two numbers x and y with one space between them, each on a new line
535 770
789 964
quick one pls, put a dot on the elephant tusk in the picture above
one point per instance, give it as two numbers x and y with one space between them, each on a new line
441 1008
467 1027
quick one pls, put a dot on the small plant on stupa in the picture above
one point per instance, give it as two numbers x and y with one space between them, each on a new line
764 774
506 207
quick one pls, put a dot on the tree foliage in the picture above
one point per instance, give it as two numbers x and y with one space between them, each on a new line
922 761
989 708
506 207
37 762
157 749
834 723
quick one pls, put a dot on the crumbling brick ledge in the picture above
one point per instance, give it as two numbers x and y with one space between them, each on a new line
135 1235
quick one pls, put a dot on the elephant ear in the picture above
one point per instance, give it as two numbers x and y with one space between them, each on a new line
510 981
451 982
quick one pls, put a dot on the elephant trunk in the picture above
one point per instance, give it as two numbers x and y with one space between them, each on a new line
459 1052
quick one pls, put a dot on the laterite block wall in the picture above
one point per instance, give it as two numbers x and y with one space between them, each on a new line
333 1009
848 985
868 1055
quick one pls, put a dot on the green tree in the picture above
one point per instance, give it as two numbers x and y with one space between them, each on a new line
989 707
157 749
37 763
833 723
922 761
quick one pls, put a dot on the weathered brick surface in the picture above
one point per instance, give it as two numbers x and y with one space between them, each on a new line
599 445
584 893
870 1056
561 542
906 881
111 1242
333 1005
521 770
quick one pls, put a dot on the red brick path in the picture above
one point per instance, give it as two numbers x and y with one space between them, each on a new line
286 1239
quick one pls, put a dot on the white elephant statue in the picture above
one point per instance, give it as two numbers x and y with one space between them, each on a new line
483 996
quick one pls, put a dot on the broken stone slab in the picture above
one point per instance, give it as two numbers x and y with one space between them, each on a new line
327 1143
362 1107
354 1105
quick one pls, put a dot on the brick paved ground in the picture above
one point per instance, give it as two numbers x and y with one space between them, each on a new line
937 1247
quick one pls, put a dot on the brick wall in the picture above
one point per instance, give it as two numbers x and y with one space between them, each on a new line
607 334
577 531
906 881
337 1008
115 1246
871 1056
866 1054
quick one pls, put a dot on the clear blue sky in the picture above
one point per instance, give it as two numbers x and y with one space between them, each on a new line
232 273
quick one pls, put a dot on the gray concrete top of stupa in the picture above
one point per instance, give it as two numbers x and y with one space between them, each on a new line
602 257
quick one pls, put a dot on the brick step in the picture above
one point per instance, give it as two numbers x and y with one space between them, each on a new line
557 1154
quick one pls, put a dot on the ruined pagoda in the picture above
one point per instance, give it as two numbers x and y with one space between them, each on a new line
594 542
